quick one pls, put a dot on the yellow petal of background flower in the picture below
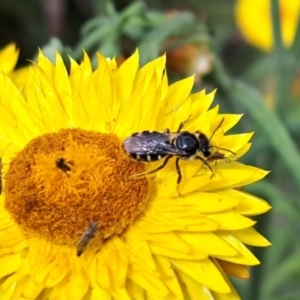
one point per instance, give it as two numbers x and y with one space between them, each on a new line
8 58
253 18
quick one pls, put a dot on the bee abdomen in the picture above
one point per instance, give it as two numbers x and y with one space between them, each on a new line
146 157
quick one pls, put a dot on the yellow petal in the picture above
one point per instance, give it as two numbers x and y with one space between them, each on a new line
97 293
231 220
235 270
169 277
124 78
10 263
244 257
121 261
74 286
235 142
58 272
230 121
251 237
208 243
178 93
231 175
31 289
201 102
204 272
134 290
193 289
140 253
201 202
153 226
164 250
148 281
62 84
15 114
8 292
250 205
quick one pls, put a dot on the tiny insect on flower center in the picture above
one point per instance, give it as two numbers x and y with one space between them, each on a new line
62 182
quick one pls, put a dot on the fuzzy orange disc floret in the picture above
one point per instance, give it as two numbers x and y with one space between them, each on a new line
62 182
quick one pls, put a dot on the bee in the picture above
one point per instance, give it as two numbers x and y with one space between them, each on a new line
86 238
64 165
149 146
1 166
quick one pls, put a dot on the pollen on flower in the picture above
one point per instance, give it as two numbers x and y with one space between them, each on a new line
62 182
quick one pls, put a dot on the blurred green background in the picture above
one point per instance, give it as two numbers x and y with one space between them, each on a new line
248 49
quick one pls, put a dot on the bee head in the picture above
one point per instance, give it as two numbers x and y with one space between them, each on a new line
204 145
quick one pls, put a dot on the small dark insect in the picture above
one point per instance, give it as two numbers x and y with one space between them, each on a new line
64 165
1 166
86 238
184 145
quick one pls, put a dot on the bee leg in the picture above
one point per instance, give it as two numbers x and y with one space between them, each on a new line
224 149
179 174
217 128
207 165
227 160
181 125
152 171
215 166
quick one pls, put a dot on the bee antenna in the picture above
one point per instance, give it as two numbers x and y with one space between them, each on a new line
224 149
217 129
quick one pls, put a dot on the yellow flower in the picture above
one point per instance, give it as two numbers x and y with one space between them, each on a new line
253 18
75 225
8 60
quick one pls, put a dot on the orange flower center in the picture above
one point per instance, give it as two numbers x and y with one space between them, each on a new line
61 184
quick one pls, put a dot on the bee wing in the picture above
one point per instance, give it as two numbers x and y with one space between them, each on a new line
150 143
170 150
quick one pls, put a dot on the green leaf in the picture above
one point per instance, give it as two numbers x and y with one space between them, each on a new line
135 9
93 24
94 39
287 268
